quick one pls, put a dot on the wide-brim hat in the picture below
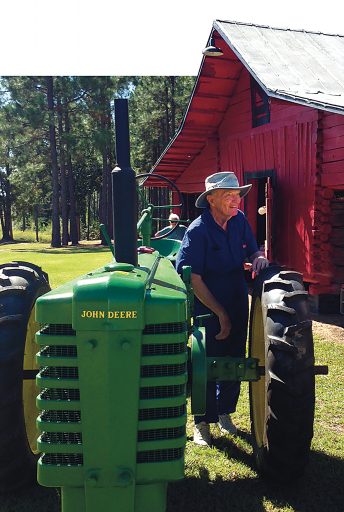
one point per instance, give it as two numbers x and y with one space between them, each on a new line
220 181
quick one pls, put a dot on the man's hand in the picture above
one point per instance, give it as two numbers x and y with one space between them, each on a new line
225 325
259 263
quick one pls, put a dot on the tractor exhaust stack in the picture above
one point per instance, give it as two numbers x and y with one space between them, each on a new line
124 191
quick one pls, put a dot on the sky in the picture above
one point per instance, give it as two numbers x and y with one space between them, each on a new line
152 37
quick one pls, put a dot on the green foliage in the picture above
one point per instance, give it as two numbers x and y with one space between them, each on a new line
157 107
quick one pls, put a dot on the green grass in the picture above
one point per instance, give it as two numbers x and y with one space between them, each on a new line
30 236
222 478
63 264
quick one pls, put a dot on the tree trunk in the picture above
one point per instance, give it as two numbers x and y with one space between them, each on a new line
56 235
88 215
35 215
173 105
167 116
2 219
104 194
64 198
74 232
7 233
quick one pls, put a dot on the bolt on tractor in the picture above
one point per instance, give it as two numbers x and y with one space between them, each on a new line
119 350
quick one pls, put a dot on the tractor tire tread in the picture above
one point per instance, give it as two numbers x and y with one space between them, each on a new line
289 376
17 462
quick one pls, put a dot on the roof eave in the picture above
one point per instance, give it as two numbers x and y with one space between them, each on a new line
293 98
181 126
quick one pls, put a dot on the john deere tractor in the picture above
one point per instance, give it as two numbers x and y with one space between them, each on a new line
100 411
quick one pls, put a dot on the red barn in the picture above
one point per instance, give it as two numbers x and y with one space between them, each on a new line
270 108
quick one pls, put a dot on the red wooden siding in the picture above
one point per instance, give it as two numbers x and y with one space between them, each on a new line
332 158
301 146
329 198
286 145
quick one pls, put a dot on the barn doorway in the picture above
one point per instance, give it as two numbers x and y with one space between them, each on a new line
259 208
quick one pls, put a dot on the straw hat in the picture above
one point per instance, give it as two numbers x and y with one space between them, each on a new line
220 181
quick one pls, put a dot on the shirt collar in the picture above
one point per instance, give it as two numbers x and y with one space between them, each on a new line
210 221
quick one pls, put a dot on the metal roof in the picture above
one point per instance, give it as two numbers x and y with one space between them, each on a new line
295 65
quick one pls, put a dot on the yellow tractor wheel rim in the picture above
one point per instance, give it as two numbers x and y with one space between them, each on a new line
29 386
258 389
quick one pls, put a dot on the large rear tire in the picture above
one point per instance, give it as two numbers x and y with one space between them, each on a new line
21 283
281 402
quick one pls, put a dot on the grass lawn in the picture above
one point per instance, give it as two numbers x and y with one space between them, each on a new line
76 261
222 478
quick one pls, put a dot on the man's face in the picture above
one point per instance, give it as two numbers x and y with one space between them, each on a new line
224 202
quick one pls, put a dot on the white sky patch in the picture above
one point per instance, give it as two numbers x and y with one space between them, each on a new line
152 37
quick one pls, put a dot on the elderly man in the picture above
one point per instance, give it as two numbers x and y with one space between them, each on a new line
216 245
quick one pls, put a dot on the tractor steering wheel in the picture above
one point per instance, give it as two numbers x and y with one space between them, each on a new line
174 187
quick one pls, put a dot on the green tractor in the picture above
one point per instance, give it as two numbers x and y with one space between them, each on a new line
118 353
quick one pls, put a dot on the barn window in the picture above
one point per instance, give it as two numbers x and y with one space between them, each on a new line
260 105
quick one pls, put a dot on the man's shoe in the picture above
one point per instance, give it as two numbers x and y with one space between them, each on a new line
202 434
226 425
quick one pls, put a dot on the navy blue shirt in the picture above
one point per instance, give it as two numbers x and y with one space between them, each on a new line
218 256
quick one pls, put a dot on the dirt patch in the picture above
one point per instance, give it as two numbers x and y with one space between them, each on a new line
329 327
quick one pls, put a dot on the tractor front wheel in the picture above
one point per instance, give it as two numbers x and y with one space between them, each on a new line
281 402
21 283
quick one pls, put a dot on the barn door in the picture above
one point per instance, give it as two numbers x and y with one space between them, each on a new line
268 218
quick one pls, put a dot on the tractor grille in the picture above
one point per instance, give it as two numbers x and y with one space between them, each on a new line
55 360
66 395
62 437
63 459
170 328
163 349
161 434
163 370
59 351
161 392
60 372
61 416
160 455
161 413
58 330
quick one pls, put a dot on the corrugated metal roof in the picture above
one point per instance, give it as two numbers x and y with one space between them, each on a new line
295 65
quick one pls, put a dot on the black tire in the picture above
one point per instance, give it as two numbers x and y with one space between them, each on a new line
21 283
282 402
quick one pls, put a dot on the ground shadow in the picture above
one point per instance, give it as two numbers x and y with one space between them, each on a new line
233 451
34 498
319 490
330 319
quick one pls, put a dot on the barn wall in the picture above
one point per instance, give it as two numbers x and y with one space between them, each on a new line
286 145
305 149
329 198
331 138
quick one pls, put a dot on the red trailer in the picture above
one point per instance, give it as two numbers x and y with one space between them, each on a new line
270 108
